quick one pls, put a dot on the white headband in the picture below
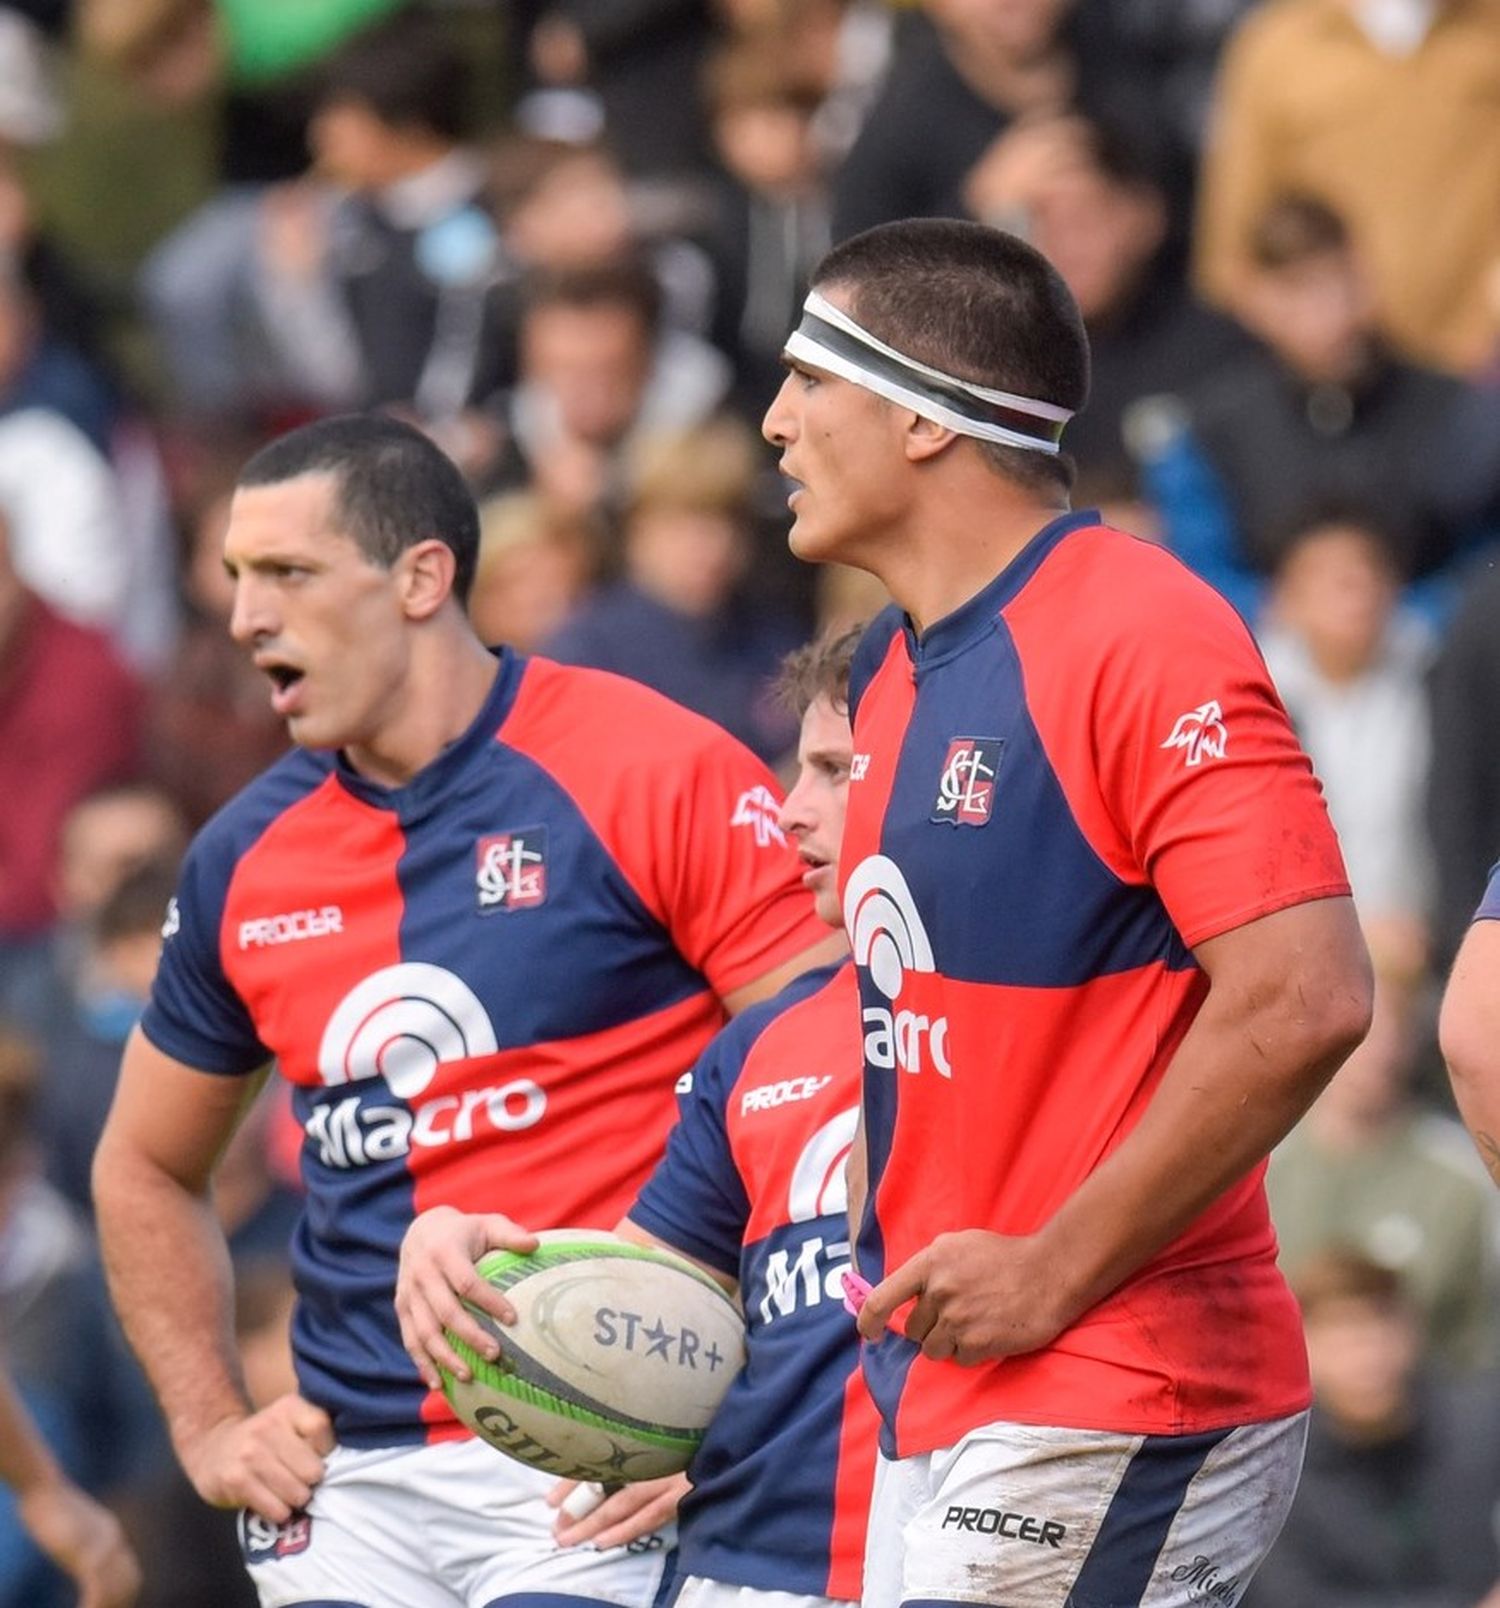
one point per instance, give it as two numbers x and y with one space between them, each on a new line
829 339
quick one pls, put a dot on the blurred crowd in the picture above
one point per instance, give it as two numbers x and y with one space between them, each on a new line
567 238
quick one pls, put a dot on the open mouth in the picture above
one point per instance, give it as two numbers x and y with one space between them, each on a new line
284 676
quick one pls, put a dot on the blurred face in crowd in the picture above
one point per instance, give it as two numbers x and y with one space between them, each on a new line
1099 234
328 625
768 148
593 361
105 839
1318 315
1337 591
845 449
352 146
1019 30
687 558
577 216
1361 1353
813 815
526 589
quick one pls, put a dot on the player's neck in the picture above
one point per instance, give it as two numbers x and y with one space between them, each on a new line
450 678
957 548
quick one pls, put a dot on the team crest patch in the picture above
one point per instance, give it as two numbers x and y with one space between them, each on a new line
512 870
261 1541
966 787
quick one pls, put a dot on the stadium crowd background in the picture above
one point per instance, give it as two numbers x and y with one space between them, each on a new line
568 239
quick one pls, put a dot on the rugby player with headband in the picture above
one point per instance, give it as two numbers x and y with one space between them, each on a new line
1105 956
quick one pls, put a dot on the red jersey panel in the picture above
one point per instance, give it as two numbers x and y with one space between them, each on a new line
1066 783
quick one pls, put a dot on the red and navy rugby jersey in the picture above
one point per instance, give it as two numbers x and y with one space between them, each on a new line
1060 789
753 1184
482 986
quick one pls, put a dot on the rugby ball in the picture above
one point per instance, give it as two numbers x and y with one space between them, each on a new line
619 1356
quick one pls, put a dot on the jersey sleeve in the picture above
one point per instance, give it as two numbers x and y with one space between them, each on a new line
696 1199
194 1015
726 880
1202 773
1489 906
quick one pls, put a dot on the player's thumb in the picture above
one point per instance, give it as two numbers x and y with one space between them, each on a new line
499 1233
313 1425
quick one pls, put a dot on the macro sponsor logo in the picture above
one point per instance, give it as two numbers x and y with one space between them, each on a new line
758 810
1009 1526
770 1095
294 927
349 1134
966 788
402 1024
1200 734
859 767
812 1271
889 940
172 922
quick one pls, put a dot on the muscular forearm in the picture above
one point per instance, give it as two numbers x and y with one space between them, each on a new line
1242 1077
169 1275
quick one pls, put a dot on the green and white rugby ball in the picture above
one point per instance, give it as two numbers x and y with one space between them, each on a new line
618 1359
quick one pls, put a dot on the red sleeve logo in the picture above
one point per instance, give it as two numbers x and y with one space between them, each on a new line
1200 734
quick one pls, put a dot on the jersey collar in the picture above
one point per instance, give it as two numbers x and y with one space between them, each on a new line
973 619
432 783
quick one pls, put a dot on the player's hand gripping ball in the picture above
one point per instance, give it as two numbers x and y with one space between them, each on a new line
618 1358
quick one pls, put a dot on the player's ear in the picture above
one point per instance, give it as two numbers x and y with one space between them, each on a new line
425 574
925 438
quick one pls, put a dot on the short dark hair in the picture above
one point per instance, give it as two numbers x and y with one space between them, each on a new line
1294 229
979 304
819 669
394 487
409 71
1339 1273
627 283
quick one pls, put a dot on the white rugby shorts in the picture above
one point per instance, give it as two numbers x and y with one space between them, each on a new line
697 1592
454 1525
1016 1516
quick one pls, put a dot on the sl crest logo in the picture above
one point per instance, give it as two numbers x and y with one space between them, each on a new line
512 870
966 787
1200 733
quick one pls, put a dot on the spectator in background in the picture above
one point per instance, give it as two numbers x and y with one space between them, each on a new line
535 565
103 838
79 1535
1095 199
1463 794
985 65
638 58
69 722
772 224
104 990
1371 1169
674 621
597 372
210 726
367 282
1350 667
61 1346
1402 1473
1386 113
1323 413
